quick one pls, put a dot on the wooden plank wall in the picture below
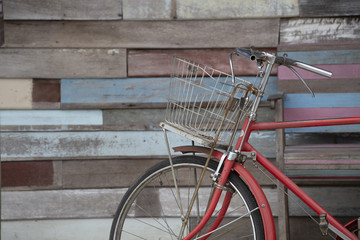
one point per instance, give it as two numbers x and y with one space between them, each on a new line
83 86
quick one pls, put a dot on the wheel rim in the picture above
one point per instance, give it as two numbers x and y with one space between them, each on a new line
152 210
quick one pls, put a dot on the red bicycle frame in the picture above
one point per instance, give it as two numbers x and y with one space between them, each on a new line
259 195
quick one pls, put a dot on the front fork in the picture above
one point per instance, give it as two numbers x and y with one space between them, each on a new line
219 187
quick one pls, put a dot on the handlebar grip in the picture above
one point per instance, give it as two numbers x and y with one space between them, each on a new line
288 61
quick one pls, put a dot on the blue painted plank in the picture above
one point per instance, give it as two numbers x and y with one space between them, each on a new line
326 57
51 120
129 90
322 100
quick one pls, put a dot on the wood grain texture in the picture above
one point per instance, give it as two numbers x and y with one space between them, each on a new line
205 9
62 63
320 86
51 120
62 10
17 146
100 203
345 56
322 100
322 8
1 28
80 229
125 93
149 10
15 93
318 46
46 94
155 63
148 34
340 71
319 30
17 174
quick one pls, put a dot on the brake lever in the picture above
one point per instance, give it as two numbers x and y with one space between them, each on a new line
303 81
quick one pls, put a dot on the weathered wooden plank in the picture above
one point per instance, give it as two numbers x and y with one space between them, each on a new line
328 8
62 10
155 63
318 46
85 203
204 9
149 10
102 145
320 86
62 63
125 93
46 94
1 27
340 71
297 114
119 173
322 100
15 93
319 30
60 229
149 119
18 174
346 56
339 201
50 120
102 203
54 204
148 34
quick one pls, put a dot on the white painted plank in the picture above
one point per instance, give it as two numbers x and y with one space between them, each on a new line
50 117
64 229
101 144
15 93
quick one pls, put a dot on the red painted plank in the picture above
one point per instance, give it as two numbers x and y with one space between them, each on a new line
340 71
156 63
16 174
297 114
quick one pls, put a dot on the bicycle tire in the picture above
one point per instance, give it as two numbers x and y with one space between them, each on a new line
138 214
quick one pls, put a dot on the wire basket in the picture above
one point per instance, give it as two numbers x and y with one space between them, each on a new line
204 105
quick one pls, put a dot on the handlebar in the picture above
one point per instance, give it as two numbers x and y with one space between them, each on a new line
281 60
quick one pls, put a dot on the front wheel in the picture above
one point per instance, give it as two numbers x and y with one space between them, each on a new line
152 208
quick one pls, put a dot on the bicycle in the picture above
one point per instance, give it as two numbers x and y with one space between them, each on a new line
214 196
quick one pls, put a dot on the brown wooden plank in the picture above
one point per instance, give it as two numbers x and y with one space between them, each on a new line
46 94
330 8
319 30
320 86
151 63
63 10
20 174
148 34
62 63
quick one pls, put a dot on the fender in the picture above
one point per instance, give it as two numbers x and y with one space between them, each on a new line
266 214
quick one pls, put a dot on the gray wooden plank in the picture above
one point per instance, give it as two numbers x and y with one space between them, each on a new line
149 10
148 119
319 30
62 63
1 28
338 201
83 203
148 34
62 10
205 9
322 8
100 203
17 146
